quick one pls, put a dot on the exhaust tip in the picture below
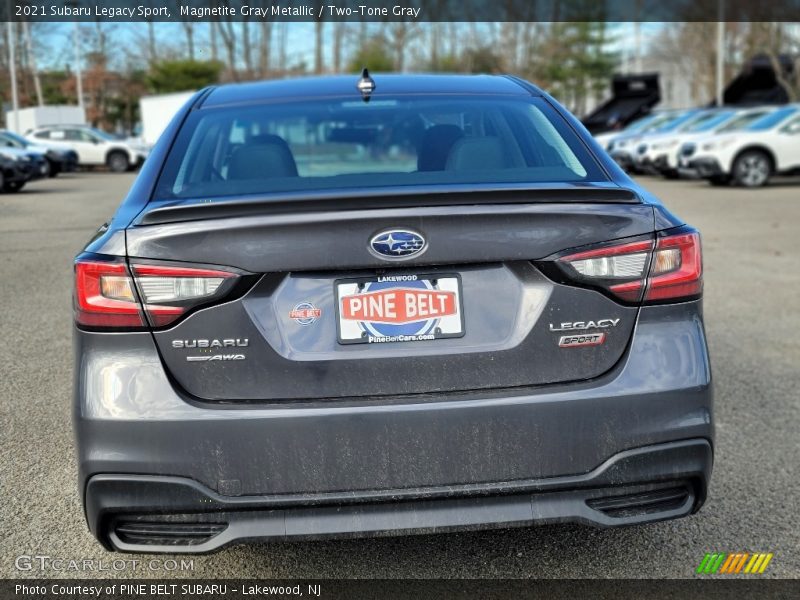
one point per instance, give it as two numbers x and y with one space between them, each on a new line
642 503
165 533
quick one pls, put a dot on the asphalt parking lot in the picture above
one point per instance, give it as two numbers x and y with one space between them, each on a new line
752 261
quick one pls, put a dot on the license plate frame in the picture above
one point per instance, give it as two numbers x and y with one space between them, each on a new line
431 328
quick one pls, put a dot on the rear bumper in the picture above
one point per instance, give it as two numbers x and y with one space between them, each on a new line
137 513
492 450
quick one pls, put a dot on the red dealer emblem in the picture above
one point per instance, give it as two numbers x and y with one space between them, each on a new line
305 313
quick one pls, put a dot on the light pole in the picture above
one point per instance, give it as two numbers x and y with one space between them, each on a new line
720 51
637 36
12 69
76 42
78 75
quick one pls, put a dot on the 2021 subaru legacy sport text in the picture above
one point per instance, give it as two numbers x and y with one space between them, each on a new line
419 304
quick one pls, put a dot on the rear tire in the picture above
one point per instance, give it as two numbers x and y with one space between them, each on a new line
118 162
752 168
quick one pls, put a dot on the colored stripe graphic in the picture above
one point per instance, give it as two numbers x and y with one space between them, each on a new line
764 564
724 563
702 566
751 566
711 562
718 562
726 567
740 564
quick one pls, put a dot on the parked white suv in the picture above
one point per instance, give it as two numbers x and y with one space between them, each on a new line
623 147
660 154
768 146
94 147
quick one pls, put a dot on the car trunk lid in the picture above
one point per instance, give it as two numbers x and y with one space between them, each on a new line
494 318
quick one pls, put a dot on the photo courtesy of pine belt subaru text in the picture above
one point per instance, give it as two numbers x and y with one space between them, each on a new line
385 305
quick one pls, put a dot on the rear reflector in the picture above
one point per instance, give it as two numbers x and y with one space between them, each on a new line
636 271
107 295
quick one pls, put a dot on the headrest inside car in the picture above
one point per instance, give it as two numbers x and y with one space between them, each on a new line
477 153
262 157
435 146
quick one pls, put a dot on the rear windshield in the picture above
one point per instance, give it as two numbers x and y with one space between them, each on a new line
336 144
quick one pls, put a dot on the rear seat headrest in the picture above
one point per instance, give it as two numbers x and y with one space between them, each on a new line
262 157
477 153
437 141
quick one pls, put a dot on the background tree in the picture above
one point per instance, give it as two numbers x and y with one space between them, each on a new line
572 60
188 29
319 38
783 51
182 75
576 63
693 47
373 54
265 49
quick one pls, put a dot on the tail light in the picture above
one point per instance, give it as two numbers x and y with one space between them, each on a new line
109 294
667 269
618 269
104 296
677 269
167 292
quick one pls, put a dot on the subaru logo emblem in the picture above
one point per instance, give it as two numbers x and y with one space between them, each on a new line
397 244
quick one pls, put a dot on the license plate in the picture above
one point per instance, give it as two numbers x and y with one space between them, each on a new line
398 308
